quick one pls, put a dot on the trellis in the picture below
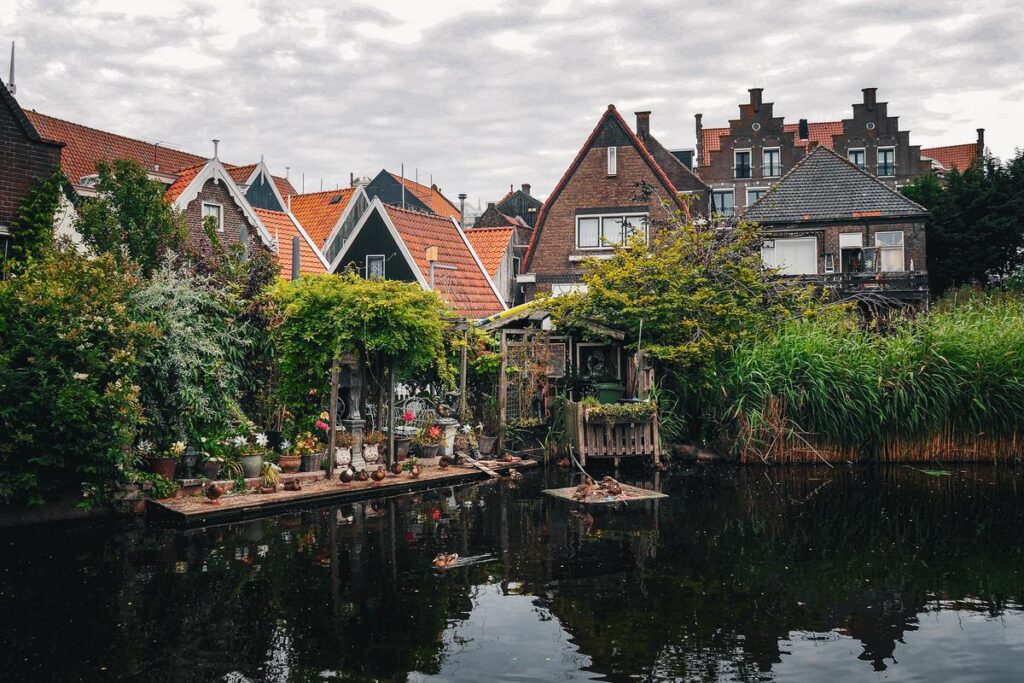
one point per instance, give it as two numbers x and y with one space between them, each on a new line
529 358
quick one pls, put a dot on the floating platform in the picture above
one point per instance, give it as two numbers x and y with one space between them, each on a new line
197 511
630 494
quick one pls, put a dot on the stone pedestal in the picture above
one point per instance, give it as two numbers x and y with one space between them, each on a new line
449 427
355 428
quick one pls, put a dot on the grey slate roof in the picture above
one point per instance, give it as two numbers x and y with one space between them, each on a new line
824 186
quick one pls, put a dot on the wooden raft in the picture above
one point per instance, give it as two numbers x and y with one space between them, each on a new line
635 493
620 440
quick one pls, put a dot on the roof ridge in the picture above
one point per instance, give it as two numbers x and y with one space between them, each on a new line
335 191
865 173
118 135
491 227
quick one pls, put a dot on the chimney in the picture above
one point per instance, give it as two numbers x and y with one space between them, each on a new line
980 153
643 124
526 186
804 131
462 208
11 87
351 179
869 98
755 98
700 129
216 143
296 263
491 205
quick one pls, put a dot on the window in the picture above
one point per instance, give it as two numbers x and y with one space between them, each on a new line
375 266
886 161
517 263
856 157
741 166
792 256
772 162
216 212
613 160
597 232
558 289
723 202
755 193
890 251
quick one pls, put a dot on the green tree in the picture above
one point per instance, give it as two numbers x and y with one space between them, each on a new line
129 217
33 224
69 373
976 228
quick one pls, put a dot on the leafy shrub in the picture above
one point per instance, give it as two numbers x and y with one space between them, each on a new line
69 371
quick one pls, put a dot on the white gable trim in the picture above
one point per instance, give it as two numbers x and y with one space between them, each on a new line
344 214
377 206
479 264
215 170
262 168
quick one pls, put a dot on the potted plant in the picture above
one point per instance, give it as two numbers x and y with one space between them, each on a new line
164 462
429 440
289 460
269 478
371 446
343 442
403 441
249 455
307 447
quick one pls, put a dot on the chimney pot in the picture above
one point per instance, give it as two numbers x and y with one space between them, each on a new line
526 186
804 130
870 98
643 123
491 205
755 98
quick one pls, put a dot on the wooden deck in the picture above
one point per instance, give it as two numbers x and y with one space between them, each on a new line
633 493
195 510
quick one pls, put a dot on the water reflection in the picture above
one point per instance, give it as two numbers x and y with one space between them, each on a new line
797 574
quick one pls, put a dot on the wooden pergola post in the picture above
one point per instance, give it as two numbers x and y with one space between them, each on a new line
463 405
391 413
502 391
332 433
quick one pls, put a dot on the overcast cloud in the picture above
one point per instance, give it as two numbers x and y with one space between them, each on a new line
482 94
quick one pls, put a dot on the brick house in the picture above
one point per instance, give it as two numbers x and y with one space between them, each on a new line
28 157
238 198
599 201
833 223
518 204
741 161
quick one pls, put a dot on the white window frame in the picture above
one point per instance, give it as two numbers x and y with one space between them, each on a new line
762 190
750 163
220 214
882 248
383 265
774 244
843 247
637 220
724 191
878 161
864 156
613 161
764 163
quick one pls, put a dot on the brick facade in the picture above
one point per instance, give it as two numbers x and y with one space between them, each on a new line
588 188
828 240
234 219
26 157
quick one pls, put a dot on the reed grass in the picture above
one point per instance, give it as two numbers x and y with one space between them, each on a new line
947 385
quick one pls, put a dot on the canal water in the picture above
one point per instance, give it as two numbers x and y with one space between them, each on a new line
799 574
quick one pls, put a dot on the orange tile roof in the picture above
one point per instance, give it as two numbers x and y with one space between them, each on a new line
432 197
953 156
318 212
490 244
467 289
240 173
185 177
820 132
281 227
84 146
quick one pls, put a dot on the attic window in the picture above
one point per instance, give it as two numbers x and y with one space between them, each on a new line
613 160
216 212
335 199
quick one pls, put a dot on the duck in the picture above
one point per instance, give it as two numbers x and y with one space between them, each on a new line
361 475
346 476
564 463
444 462
396 468
293 485
215 491
379 474
414 471
611 487
445 560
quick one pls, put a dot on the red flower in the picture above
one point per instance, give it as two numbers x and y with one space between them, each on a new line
408 416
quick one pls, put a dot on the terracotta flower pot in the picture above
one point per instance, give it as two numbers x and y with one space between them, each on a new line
289 463
162 466
209 469
402 445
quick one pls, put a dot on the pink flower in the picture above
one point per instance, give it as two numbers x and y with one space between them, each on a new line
408 416
320 424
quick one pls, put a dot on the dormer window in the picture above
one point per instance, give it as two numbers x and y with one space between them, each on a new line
613 160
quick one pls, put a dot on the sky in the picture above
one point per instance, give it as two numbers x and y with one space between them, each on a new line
478 95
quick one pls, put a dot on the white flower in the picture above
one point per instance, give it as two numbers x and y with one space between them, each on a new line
81 375
178 447
262 440
276 467
239 441
145 446
202 439
465 429
286 444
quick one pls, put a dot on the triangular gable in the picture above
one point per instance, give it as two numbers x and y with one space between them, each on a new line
261 190
611 117
284 228
824 186
191 182
388 189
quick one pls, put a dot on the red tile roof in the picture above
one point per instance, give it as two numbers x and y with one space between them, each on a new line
84 146
240 173
491 245
820 132
953 156
318 212
468 289
282 228
185 178
432 197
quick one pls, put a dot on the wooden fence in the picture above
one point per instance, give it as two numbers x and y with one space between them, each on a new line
596 439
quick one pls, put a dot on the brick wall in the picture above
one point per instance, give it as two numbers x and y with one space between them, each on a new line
590 187
24 160
828 240
234 219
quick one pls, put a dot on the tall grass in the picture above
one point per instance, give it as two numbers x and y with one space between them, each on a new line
948 385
